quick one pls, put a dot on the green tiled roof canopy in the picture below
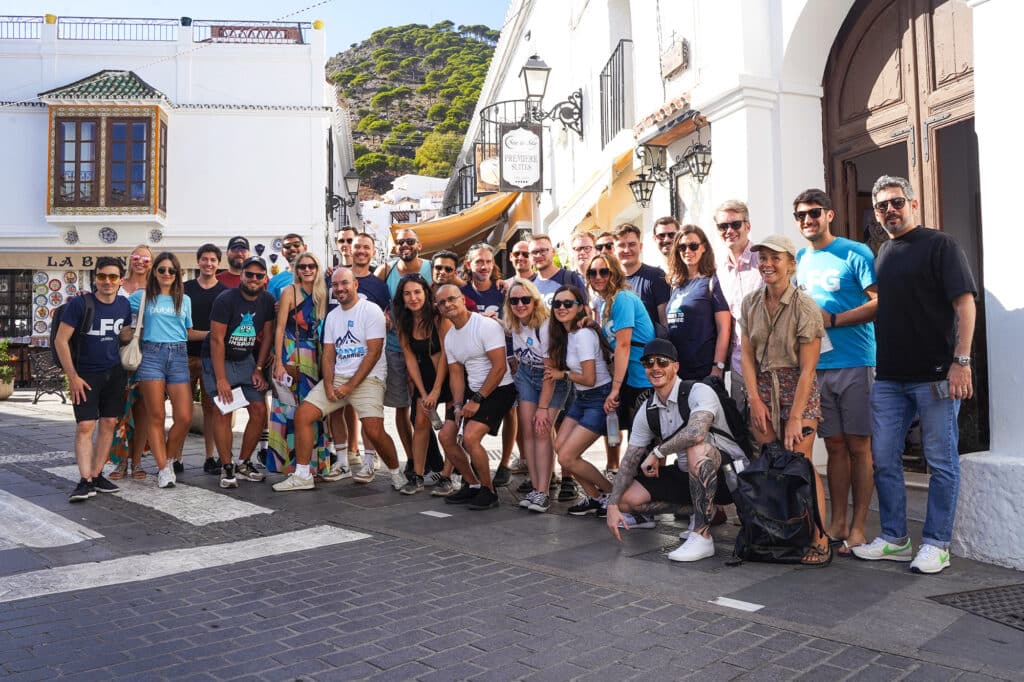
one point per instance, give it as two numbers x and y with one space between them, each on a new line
107 84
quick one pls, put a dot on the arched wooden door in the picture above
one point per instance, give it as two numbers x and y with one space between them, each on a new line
899 100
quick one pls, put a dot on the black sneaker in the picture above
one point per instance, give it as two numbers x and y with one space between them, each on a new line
179 468
567 491
101 484
211 465
484 499
588 505
462 496
501 476
413 485
261 457
525 487
82 492
227 476
247 472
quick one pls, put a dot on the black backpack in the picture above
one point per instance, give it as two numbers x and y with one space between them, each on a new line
737 424
778 507
84 325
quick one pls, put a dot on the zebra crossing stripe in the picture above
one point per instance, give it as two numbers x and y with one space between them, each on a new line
195 506
24 524
160 564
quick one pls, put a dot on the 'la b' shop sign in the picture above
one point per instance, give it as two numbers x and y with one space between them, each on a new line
520 158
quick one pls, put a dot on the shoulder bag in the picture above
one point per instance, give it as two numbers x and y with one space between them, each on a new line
131 352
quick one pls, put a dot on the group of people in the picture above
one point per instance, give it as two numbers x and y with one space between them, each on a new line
814 341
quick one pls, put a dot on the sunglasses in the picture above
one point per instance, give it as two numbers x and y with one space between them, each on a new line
141 259
604 247
660 361
443 268
254 275
735 224
898 203
520 300
665 236
448 301
539 252
306 266
291 245
564 303
692 246
167 271
104 277
815 213
520 254
598 272
349 240
408 241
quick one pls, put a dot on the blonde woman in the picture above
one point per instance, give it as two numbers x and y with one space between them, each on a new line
540 400
300 315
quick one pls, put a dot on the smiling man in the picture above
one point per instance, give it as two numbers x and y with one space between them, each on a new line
839 274
665 230
238 251
549 276
647 281
925 287
292 246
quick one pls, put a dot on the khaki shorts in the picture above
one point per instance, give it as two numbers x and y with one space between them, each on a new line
367 400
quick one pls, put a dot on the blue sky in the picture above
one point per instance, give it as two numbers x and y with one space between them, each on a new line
347 21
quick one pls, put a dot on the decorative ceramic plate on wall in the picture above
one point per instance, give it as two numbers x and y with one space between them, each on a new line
70 277
40 299
71 290
41 289
55 284
56 298
42 311
39 277
40 327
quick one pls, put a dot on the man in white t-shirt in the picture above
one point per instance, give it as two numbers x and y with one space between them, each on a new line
699 445
354 374
482 394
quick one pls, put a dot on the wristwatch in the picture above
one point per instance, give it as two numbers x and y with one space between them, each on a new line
477 397
720 365
962 360
658 453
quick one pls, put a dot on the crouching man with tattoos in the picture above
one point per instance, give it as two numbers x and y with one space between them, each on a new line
690 417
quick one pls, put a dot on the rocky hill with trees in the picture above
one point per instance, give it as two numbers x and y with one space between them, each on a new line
411 91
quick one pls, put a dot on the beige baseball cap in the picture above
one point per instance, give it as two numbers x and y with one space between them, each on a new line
776 242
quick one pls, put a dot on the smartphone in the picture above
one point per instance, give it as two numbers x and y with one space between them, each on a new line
941 389
287 381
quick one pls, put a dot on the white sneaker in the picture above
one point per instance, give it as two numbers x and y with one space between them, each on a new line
294 482
689 529
338 472
165 478
695 548
930 559
518 466
529 499
639 521
432 478
879 549
364 475
371 460
398 480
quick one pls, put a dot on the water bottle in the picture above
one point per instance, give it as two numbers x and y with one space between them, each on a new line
435 420
612 427
458 436
729 471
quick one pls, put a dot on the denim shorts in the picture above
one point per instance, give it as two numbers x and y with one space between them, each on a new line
587 409
529 381
166 362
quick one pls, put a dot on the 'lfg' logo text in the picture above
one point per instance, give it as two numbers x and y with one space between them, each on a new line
827 280
107 327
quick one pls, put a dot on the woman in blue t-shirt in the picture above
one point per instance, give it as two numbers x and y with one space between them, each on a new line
166 326
699 321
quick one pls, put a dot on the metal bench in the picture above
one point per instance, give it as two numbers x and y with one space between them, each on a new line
47 375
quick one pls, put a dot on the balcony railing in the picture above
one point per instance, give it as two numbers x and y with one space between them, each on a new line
113 28
20 28
263 32
617 92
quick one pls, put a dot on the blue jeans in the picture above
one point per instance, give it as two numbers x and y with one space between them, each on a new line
167 362
893 406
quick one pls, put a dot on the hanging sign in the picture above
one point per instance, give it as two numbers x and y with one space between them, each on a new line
521 158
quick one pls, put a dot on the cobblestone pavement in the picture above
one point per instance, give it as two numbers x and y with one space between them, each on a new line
448 594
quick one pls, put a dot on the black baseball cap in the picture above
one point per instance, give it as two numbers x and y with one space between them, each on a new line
238 243
661 347
254 260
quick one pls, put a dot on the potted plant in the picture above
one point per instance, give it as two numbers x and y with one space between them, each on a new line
6 370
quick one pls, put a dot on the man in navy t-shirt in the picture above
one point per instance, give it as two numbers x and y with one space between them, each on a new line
96 380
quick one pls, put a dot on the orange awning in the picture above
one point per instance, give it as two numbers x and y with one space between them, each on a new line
458 232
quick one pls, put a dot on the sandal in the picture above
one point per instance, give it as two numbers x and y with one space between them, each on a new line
119 471
138 473
817 557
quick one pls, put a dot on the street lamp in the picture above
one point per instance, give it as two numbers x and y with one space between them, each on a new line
334 201
642 189
697 158
568 112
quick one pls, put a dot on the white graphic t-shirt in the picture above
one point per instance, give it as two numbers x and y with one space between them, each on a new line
530 346
349 331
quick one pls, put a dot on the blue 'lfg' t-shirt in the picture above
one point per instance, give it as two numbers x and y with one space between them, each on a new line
98 350
161 324
628 312
836 277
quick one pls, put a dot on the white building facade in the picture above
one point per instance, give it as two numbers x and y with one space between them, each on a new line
794 94
169 133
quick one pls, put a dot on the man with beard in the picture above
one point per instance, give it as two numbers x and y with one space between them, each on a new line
665 230
355 373
647 281
203 290
839 274
924 329
238 251
346 246
446 271
292 246
482 394
549 276
238 316
397 394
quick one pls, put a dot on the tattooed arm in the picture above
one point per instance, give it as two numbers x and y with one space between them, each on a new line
694 433
627 472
